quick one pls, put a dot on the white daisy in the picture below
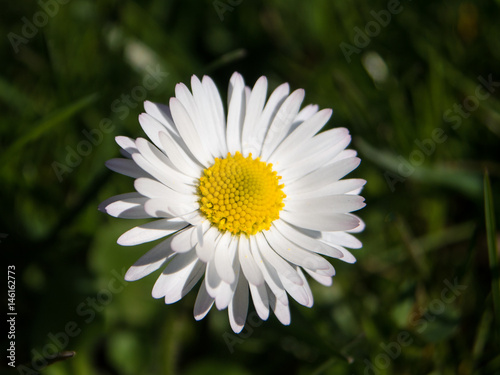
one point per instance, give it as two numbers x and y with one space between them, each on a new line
246 203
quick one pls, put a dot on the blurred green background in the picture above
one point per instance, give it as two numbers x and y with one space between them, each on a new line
410 81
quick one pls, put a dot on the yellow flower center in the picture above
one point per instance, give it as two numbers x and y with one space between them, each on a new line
240 195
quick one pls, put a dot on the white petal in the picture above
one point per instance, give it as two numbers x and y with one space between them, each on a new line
338 187
314 153
260 300
150 231
153 189
322 279
184 240
359 228
159 207
127 144
173 205
329 273
282 122
305 114
270 275
132 198
116 198
131 208
225 252
249 267
252 115
293 253
219 289
248 91
345 155
189 132
300 293
217 112
225 291
307 239
152 128
206 127
341 239
308 166
206 243
151 261
212 279
224 295
238 307
159 174
281 310
281 266
333 203
182 282
325 175
203 303
272 106
303 132
347 256
194 217
161 112
176 180
126 167
236 113
180 159
329 222
178 277
196 110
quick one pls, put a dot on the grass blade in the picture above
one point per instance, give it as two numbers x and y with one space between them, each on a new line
489 212
48 123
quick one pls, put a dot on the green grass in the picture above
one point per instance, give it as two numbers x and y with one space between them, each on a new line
489 213
425 286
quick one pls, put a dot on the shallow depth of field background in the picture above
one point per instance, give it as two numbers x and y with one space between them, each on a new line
418 301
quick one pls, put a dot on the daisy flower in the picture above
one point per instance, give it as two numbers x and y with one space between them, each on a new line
248 203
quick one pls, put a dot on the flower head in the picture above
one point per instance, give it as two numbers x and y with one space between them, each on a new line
245 202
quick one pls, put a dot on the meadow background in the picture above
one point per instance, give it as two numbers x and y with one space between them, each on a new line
420 93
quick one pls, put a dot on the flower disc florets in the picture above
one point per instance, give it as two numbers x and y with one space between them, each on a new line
241 195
